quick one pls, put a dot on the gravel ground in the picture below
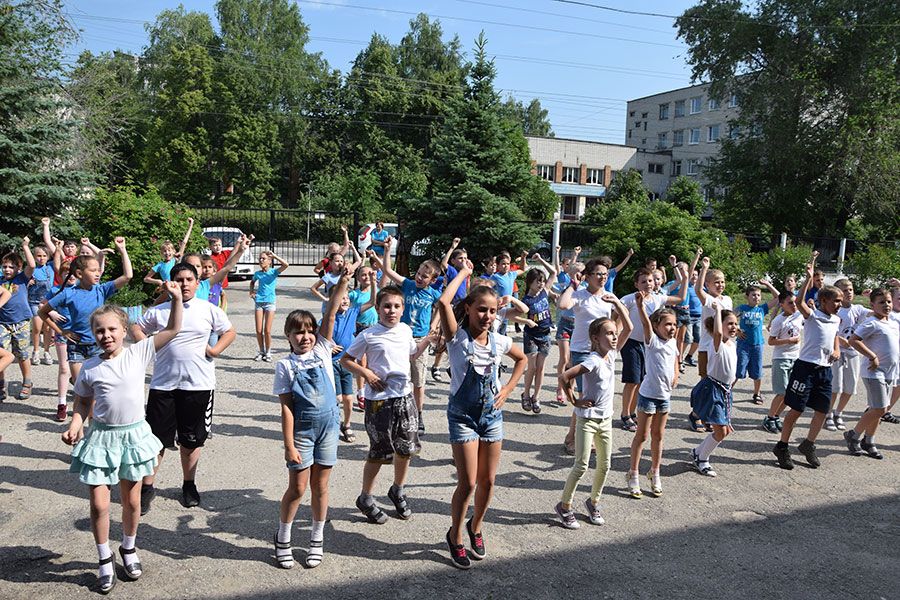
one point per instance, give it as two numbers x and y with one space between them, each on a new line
755 531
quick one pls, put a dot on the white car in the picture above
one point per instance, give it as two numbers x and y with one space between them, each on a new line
229 236
364 240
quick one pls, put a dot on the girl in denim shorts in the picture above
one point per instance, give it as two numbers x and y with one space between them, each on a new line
262 290
474 410
536 337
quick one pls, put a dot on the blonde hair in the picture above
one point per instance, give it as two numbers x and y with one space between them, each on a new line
107 309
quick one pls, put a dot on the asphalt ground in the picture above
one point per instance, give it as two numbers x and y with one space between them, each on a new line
755 531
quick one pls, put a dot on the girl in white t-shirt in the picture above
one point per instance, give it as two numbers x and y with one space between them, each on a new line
711 397
655 393
119 447
474 414
878 339
593 412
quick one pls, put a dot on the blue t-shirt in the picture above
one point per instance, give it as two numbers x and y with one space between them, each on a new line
563 279
674 290
751 320
344 329
610 280
696 307
203 289
417 304
463 290
43 281
16 310
539 312
379 237
80 304
505 282
265 285
357 299
164 269
55 290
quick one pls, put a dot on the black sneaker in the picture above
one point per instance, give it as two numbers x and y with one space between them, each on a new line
476 540
189 495
770 424
458 554
783 454
148 493
421 431
808 449
871 450
689 361
437 375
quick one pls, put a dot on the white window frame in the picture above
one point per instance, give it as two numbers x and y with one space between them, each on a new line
691 139
733 101
662 140
546 172
698 101
714 104
678 138
562 201
693 167
676 168
664 111
709 133
570 174
679 103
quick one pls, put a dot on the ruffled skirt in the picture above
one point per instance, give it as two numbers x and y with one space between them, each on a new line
108 453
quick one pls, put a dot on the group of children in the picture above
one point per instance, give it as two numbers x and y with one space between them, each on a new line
377 336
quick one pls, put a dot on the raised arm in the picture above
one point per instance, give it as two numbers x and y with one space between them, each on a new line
149 278
625 260
346 247
326 327
123 279
29 257
642 315
57 255
445 302
186 238
683 279
694 262
802 306
242 244
621 316
565 301
387 270
523 260
446 258
282 264
717 326
701 280
551 271
773 301
92 247
176 311
48 237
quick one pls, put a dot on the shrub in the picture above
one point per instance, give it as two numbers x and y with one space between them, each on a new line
873 266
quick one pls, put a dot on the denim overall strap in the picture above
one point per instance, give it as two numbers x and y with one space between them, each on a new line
475 379
311 388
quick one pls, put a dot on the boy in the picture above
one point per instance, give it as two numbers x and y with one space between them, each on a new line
810 382
69 247
15 316
894 284
391 415
418 299
751 317
818 280
504 280
159 272
451 263
784 337
845 372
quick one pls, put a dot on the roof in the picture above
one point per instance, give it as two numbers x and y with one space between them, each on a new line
670 91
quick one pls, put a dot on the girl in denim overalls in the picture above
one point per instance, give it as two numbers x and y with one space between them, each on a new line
304 383
474 411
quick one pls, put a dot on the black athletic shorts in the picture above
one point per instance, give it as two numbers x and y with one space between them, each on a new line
187 413
809 386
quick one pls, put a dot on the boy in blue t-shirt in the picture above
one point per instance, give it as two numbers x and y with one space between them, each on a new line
15 316
751 318
504 281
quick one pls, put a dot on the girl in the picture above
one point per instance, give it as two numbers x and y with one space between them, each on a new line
332 274
41 281
711 397
264 297
710 289
366 283
62 373
878 339
474 410
536 339
655 393
593 412
119 446
565 325
304 383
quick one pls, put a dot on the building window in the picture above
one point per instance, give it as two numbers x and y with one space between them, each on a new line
570 174
696 104
693 166
591 201
629 134
570 207
712 133
643 141
695 136
546 172
663 111
662 140
655 168
678 137
637 124
733 101
644 115
679 108
676 168
714 104
631 113
734 132
594 177
645 125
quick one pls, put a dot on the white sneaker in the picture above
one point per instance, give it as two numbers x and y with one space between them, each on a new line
267 357
258 357
829 423
35 359
47 360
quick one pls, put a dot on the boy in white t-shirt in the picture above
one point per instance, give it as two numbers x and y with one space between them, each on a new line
784 337
845 372
391 417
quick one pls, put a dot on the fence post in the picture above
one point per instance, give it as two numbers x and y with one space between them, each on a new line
272 229
842 253
355 233
555 238
783 242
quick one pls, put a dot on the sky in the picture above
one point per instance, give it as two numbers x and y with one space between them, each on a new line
583 63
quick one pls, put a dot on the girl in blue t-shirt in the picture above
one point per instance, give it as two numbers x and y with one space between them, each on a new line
366 284
262 290
38 286
536 338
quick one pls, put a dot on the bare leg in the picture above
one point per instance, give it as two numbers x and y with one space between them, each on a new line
370 472
100 513
465 456
815 425
529 374
319 486
561 363
868 423
629 398
789 421
268 317
488 461
539 360
258 322
189 459
290 501
640 436
401 468
131 505
657 432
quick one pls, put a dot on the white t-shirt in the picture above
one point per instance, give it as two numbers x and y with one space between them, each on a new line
883 338
819 331
706 344
651 304
117 384
785 327
501 316
456 353
722 365
320 355
599 385
388 350
851 316
182 364
587 308
659 359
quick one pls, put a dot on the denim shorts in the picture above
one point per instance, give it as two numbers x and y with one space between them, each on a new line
35 307
652 406
633 362
474 420
316 437
343 379
534 344
749 360
265 306
564 328
682 316
77 353
576 358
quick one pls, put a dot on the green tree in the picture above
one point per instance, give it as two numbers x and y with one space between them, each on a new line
818 137
685 193
37 128
533 118
627 186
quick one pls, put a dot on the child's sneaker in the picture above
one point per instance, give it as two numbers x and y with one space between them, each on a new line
526 402
808 449
458 554
829 423
783 455
267 357
634 485
871 450
566 517
258 357
47 360
593 512
770 424
852 443
35 359
689 361
779 423
437 375
61 413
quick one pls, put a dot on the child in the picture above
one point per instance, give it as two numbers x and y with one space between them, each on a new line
452 262
474 410
332 273
593 412
710 288
379 237
655 393
751 317
536 340
170 256
505 280
41 280
784 337
218 255
888 417
333 248
69 247
263 294
391 416
217 297
6 358
119 446
692 331
790 284
845 372
364 294
818 281
810 383
205 286
633 368
305 386
565 325
62 373
711 398
15 316
878 338
82 300
614 271
563 278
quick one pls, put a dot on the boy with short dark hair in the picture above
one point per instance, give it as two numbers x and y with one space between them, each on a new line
15 316
751 317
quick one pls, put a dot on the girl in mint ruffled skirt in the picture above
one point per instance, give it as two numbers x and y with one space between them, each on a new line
118 446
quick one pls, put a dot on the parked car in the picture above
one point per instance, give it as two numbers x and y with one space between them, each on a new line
229 237
364 241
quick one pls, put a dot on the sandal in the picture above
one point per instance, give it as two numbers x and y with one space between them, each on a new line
315 554
627 423
708 428
757 399
134 570
25 392
696 423
347 434
108 582
400 503
372 512
285 559
361 402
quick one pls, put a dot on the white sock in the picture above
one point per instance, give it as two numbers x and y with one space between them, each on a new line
284 532
61 401
103 552
317 533
706 448
128 544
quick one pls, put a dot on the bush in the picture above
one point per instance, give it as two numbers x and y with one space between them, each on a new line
873 266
